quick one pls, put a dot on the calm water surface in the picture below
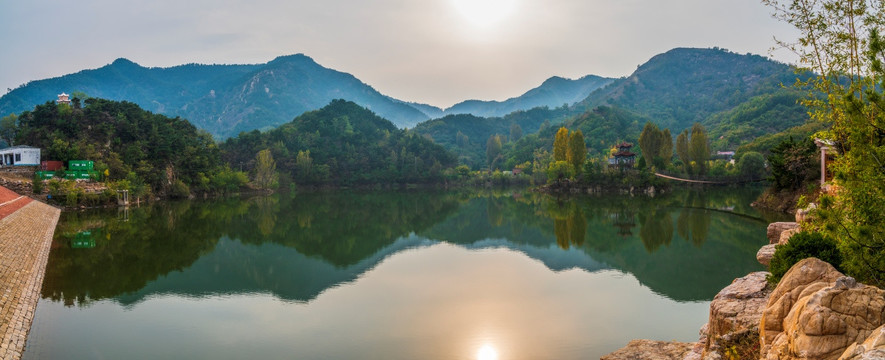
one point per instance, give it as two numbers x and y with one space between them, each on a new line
391 275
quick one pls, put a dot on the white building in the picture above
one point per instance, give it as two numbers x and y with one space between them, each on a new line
20 155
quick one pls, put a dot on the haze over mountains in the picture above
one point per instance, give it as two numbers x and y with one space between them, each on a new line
228 99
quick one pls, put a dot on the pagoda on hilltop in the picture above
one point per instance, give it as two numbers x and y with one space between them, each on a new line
64 99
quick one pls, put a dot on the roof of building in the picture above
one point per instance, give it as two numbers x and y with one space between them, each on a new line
625 144
624 154
19 147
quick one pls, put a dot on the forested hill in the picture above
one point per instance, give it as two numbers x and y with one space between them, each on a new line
739 98
148 153
683 86
554 92
342 144
223 99
466 135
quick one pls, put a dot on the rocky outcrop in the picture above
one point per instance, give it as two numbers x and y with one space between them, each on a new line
651 350
872 348
735 313
738 307
765 254
807 273
803 215
786 235
775 230
817 313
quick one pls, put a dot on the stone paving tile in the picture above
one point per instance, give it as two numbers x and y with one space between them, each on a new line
25 239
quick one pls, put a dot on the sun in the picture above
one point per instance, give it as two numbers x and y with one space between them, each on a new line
485 13
487 352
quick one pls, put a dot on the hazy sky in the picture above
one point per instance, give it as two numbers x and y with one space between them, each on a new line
433 51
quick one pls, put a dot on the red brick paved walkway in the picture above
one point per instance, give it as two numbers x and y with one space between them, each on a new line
25 237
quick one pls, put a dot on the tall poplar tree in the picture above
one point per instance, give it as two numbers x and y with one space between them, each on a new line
650 142
682 150
265 170
560 145
666 149
577 151
493 150
698 148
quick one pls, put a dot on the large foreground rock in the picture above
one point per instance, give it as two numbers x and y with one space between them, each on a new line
650 350
775 230
872 348
810 272
738 307
818 313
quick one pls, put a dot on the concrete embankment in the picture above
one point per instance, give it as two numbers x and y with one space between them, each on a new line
26 230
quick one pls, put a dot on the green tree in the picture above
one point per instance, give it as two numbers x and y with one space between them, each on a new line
515 132
577 151
650 142
9 128
682 150
666 149
559 170
494 147
840 42
461 140
265 170
793 164
304 164
751 165
699 148
560 145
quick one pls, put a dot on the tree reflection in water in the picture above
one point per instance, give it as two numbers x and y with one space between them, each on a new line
345 233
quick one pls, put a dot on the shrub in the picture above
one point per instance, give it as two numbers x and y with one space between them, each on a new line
803 245
37 186
179 190
559 170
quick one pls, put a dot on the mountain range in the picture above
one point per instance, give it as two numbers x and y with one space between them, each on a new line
555 91
737 97
228 99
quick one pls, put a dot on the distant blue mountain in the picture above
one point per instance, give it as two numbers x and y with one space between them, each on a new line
553 92
222 99
228 99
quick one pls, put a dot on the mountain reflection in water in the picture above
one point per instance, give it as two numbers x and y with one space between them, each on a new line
681 245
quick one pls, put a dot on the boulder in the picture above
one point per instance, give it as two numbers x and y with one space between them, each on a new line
818 313
650 350
872 348
802 215
765 254
808 273
775 230
786 235
738 307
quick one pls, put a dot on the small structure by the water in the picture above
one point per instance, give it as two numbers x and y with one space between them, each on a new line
624 158
64 99
726 155
20 155
826 157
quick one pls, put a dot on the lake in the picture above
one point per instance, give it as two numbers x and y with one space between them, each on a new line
391 275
